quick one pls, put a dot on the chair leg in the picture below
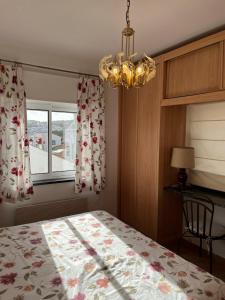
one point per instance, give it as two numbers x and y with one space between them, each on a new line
210 256
200 247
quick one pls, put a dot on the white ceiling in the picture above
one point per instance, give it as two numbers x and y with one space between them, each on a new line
75 34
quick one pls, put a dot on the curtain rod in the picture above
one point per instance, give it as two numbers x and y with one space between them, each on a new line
48 68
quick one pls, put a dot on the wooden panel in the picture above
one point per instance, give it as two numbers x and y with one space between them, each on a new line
173 127
147 158
194 73
49 210
224 64
200 43
194 99
128 168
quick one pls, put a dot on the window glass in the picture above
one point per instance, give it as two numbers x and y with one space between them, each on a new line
37 121
63 141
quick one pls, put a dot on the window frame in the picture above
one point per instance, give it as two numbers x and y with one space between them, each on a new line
50 107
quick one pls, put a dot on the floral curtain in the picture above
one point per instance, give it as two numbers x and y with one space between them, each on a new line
90 150
15 178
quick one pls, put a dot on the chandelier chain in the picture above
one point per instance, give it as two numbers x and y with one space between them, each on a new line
127 13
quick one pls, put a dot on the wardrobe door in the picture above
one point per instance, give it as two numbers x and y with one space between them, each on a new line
196 72
128 156
147 158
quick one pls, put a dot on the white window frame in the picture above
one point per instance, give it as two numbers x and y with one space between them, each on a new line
52 107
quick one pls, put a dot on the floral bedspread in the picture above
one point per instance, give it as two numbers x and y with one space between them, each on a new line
95 256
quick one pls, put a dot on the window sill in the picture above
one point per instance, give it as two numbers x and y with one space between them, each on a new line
52 181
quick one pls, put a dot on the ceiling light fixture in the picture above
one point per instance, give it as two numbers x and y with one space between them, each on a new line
123 71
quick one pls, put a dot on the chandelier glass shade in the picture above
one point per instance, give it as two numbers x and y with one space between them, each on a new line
122 70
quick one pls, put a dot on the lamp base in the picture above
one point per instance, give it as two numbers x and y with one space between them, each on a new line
182 178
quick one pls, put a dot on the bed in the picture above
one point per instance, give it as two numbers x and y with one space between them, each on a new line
95 256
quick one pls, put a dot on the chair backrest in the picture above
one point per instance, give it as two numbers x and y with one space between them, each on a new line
198 213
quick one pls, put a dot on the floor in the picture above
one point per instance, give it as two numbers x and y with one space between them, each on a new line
190 252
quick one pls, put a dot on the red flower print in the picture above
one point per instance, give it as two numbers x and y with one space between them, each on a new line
23 232
92 167
36 241
144 254
78 118
96 225
83 106
14 79
2 109
94 139
85 144
209 293
108 242
56 281
79 296
83 185
26 142
169 254
79 86
77 162
72 242
9 265
92 125
156 266
28 254
91 252
37 264
14 171
1 91
8 279
95 181
130 253
72 282
15 120
103 283
93 82
83 90
30 190
164 287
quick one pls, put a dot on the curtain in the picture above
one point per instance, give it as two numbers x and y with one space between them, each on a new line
90 149
15 177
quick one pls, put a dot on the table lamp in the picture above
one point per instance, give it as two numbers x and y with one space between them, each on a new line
182 158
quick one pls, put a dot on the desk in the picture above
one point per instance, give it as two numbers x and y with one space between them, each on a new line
218 198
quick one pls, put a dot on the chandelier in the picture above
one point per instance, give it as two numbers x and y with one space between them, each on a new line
122 70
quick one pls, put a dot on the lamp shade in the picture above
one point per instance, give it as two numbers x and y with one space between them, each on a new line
183 157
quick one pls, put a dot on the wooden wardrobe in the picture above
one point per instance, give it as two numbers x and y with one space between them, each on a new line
152 122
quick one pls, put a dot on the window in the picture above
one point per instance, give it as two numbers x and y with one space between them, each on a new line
52 138
206 133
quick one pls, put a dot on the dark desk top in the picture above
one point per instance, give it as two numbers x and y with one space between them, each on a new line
218 198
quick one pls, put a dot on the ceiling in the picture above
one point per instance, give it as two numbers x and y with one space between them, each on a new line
75 34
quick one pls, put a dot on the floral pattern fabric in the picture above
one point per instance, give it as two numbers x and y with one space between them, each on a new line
94 256
90 150
15 178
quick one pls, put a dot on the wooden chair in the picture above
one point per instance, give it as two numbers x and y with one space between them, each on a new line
198 214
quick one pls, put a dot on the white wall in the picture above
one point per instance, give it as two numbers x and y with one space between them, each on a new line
49 87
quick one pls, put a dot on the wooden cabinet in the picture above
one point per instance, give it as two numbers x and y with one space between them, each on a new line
196 72
224 65
153 121
128 155
140 113
142 172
